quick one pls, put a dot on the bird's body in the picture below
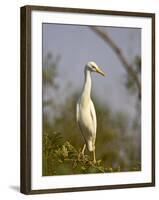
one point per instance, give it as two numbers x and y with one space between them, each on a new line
85 111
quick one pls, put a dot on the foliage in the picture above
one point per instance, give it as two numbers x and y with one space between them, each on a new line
130 83
50 70
64 159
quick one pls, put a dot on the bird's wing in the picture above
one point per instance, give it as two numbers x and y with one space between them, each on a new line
93 116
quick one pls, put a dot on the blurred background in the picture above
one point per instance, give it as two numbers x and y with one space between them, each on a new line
117 98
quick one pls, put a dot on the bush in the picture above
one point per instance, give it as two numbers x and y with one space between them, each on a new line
62 158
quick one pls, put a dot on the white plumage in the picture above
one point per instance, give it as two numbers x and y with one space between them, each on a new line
85 111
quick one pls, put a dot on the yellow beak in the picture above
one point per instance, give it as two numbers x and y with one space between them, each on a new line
98 70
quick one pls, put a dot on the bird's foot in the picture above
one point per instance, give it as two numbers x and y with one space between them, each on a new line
81 155
83 150
94 161
94 157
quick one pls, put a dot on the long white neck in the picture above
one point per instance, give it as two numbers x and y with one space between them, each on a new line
86 93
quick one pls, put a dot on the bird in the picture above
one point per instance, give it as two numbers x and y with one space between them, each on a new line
85 110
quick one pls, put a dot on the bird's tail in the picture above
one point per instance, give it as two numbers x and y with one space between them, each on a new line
90 146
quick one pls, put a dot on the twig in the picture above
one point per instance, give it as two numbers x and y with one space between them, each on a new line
120 55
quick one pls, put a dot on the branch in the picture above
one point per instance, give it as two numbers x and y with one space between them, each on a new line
120 55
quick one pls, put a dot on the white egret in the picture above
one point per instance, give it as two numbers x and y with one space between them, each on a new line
85 111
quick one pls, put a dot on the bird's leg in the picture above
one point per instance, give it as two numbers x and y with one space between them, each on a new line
94 156
84 147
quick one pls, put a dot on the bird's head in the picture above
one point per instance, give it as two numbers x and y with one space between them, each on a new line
93 67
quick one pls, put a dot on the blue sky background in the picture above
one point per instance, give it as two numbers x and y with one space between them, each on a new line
78 45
